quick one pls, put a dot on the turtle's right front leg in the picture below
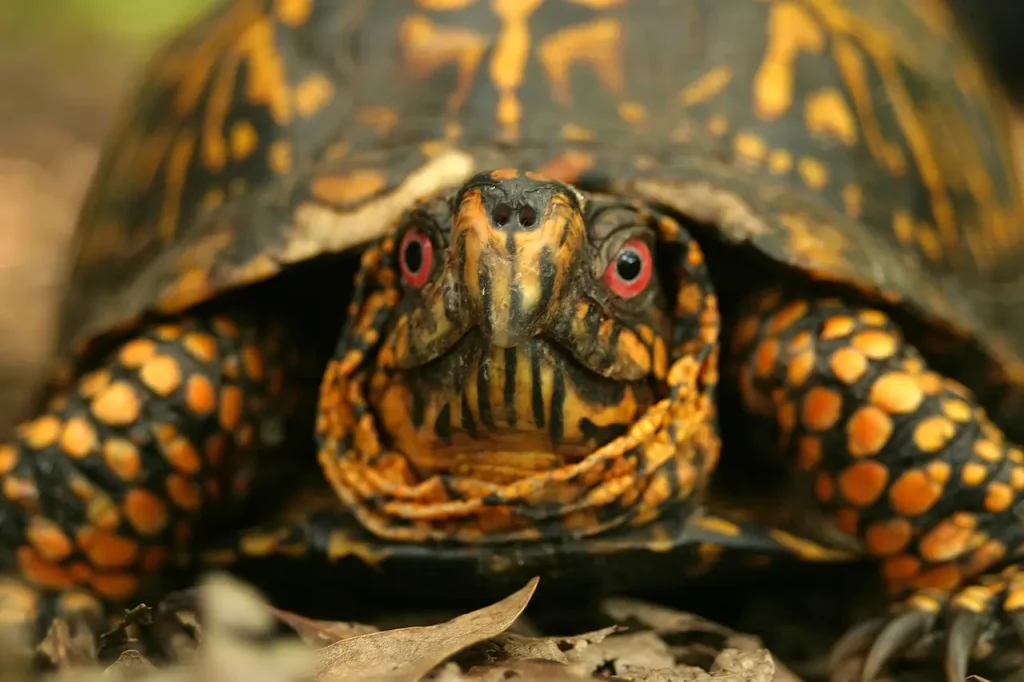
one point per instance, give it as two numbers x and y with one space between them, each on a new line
108 481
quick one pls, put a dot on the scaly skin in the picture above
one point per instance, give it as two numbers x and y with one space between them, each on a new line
904 458
103 486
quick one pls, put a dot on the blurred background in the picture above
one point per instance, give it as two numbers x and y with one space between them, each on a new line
66 66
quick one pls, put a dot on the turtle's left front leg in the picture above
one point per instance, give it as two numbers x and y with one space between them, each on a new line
904 458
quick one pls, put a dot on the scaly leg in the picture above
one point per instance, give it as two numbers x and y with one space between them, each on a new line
102 488
904 458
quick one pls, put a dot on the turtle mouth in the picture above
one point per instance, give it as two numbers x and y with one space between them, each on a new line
499 413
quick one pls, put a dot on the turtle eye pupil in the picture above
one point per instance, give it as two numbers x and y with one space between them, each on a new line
629 265
414 256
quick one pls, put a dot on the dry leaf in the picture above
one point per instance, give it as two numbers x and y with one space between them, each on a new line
668 622
320 633
161 635
677 674
15 655
525 671
180 636
407 654
237 626
68 644
129 667
637 652
509 646
744 666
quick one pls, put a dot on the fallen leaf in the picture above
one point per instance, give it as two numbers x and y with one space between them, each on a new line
161 635
509 646
525 671
237 638
16 656
180 636
671 624
68 644
320 633
639 651
744 666
129 667
677 674
407 654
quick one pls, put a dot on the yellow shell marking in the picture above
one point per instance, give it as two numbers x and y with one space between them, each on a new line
790 31
707 87
598 43
508 62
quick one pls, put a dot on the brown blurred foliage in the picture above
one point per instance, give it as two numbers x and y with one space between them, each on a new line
59 97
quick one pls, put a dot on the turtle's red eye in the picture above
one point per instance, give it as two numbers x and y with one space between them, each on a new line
630 270
415 256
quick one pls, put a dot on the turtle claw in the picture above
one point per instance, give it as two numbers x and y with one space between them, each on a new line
856 641
895 637
1017 621
964 630
965 625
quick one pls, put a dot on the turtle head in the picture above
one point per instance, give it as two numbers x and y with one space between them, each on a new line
508 329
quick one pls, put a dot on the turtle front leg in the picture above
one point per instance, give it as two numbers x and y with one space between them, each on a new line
906 461
103 487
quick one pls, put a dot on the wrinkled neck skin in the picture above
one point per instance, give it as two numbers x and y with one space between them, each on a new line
515 358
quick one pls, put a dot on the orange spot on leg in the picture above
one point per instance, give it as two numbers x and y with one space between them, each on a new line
863 482
868 431
48 538
822 408
200 396
914 493
897 393
117 586
945 578
888 537
145 511
42 573
117 405
948 539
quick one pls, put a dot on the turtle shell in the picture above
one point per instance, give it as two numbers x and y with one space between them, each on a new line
860 141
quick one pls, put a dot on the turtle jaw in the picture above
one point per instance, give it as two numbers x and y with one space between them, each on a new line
498 414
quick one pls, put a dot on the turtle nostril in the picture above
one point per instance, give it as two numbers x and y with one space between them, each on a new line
527 216
501 214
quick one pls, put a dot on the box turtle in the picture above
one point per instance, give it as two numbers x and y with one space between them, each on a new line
574 256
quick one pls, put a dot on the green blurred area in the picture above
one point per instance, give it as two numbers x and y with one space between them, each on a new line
127 20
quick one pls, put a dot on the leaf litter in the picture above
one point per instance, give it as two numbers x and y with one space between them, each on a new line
238 638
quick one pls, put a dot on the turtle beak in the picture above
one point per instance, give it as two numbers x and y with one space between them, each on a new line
518 245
